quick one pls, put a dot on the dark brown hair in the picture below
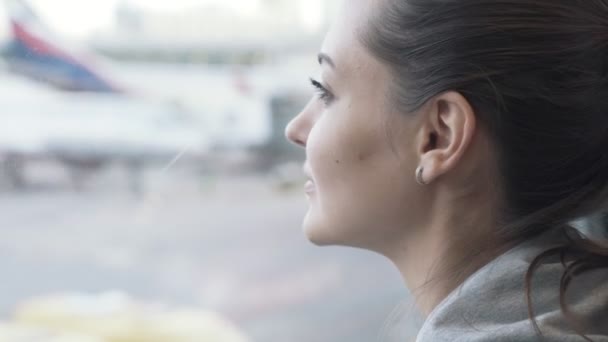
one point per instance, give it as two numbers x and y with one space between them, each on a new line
536 74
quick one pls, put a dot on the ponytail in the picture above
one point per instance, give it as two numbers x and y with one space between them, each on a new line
578 255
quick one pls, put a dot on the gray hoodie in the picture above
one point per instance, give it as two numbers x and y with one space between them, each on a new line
491 304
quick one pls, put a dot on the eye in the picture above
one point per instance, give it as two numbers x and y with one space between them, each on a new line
324 95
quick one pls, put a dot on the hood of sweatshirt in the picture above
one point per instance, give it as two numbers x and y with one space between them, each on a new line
491 304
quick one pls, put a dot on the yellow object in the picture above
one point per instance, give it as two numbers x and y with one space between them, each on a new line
12 332
114 317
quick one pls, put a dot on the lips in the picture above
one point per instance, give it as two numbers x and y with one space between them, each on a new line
309 187
310 184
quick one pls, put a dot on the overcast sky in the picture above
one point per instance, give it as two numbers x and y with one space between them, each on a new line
78 18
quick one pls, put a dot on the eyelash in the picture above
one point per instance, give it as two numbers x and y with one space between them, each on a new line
324 95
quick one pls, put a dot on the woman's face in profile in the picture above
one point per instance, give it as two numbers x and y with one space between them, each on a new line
359 158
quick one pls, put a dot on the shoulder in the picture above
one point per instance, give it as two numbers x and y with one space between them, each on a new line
491 304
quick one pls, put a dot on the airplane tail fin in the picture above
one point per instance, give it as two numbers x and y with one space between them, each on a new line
37 53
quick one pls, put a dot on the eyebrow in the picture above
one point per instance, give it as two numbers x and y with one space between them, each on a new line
325 58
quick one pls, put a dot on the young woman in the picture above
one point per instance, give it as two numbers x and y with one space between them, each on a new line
459 138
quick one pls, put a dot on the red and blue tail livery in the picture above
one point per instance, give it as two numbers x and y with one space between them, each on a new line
34 53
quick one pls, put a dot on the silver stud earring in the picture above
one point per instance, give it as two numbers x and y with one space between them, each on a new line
419 177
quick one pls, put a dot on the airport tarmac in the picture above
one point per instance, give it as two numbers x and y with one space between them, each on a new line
231 244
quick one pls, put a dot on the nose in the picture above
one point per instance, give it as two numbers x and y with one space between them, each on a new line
298 128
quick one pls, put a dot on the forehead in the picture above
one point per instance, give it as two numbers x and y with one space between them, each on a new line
342 42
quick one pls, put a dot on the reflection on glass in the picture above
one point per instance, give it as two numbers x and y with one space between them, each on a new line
146 185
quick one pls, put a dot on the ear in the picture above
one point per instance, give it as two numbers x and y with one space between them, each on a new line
447 129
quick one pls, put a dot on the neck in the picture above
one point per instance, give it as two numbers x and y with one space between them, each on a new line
448 249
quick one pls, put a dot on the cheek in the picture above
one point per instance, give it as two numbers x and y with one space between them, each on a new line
343 137
349 158
362 188
335 147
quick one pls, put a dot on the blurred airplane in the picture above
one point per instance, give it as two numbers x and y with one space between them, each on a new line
58 104
35 52
87 132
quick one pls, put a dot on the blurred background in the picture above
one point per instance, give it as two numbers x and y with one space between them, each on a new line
147 192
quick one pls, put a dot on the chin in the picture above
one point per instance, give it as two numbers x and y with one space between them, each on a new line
318 242
315 236
318 233
322 233
328 235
